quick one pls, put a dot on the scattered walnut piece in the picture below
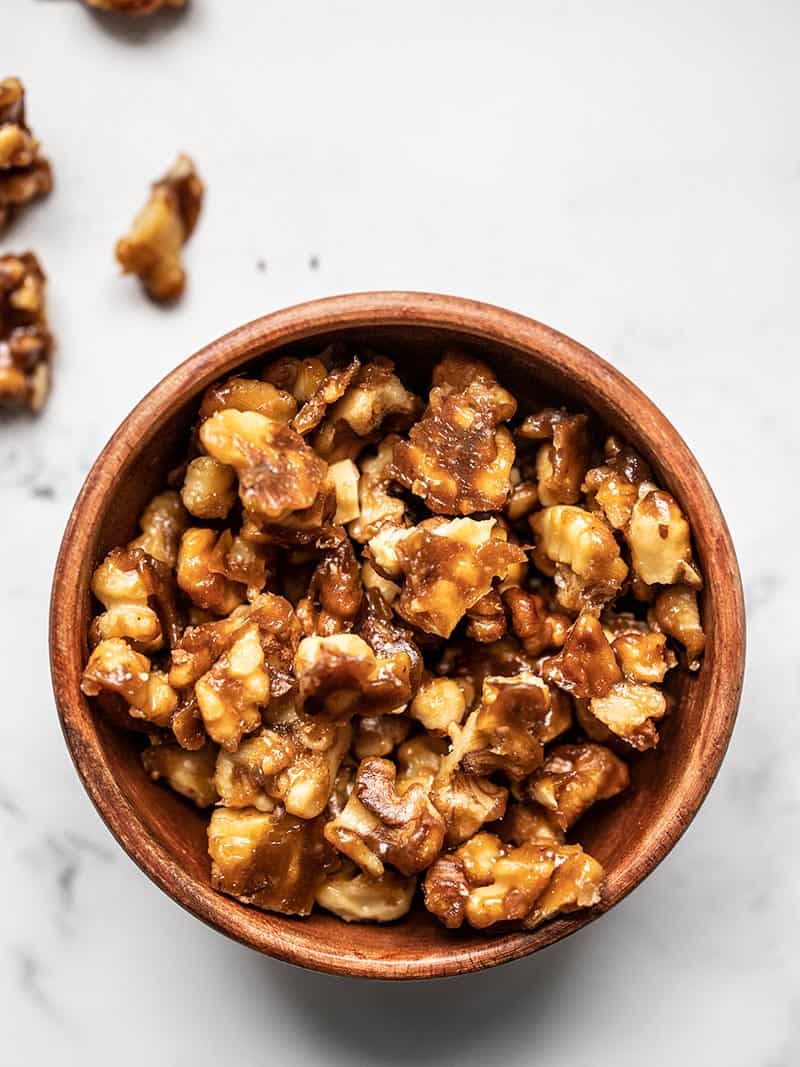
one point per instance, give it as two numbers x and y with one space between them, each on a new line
458 457
573 778
586 665
271 859
189 773
356 897
231 694
562 463
660 540
26 344
446 568
675 612
248 394
25 175
538 628
153 248
629 710
486 882
378 824
115 667
584 545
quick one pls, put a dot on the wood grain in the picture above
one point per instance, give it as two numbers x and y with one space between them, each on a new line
166 837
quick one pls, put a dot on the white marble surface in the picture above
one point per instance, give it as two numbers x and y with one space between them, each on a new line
627 172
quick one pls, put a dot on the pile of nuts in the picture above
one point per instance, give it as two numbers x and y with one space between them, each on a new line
391 642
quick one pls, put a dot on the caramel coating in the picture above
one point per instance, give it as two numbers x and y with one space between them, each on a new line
458 457
675 612
377 506
562 463
538 628
115 667
248 394
586 665
189 773
660 540
162 524
356 897
26 344
127 583
332 388
573 778
629 710
153 249
231 694
198 574
25 174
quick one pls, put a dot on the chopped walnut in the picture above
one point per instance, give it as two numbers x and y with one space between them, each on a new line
629 710
271 859
379 735
278 473
378 824
487 618
447 568
439 704
377 507
562 463
334 591
465 801
231 694
344 477
199 576
660 540
524 499
613 488
248 394
370 579
644 657
458 457
189 773
486 882
26 344
138 594
586 665
526 823
162 524
332 388
573 778
299 377
418 761
294 761
135 7
153 248
115 667
675 612
356 897
25 175
583 546
537 628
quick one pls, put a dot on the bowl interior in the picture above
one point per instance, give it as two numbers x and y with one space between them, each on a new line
628 835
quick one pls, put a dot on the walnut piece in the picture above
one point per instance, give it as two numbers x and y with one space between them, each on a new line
458 457
26 344
25 174
526 823
644 657
582 543
189 773
198 574
377 507
162 524
127 583
379 825
231 694
356 897
562 463
675 612
586 665
465 801
334 591
153 249
332 388
660 540
629 710
115 667
538 628
248 394
379 735
270 859
439 704
573 778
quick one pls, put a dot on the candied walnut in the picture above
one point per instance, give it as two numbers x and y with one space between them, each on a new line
537 628
335 591
271 859
644 657
585 549
586 665
379 735
26 344
391 641
465 801
187 724
629 710
418 761
525 823
356 897
300 377
573 778
376 399
248 394
486 882
332 388
524 498
487 618
135 7
199 576
378 824
439 704
371 580
675 612
189 773
162 524
278 472
153 248
231 694
114 667
377 507
458 457
279 632
344 477
660 540
613 488
446 567
504 732
562 463
127 583
295 762
25 175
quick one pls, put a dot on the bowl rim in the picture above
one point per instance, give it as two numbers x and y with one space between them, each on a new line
487 322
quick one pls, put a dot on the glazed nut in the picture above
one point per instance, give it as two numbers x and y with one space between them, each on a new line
199 576
379 735
629 711
209 488
340 674
26 344
248 394
278 473
114 667
332 388
153 249
25 174
573 778
439 704
584 544
562 462
487 619
537 628
270 859
529 823
377 506
465 801
356 897
643 657
189 773
124 583
418 761
660 540
231 694
459 456
334 591
162 523
379 825
344 476
676 613
586 665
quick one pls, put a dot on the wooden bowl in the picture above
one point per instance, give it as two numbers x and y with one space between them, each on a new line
166 836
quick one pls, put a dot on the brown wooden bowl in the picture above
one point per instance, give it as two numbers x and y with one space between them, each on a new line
167 837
